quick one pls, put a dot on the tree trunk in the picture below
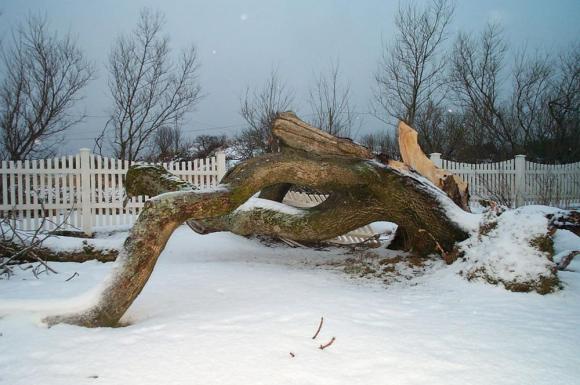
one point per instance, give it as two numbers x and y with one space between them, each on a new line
361 191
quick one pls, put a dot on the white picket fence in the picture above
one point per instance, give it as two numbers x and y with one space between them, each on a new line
517 182
86 190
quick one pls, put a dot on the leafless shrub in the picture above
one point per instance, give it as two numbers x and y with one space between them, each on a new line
547 188
499 191
382 143
17 245
168 144
204 146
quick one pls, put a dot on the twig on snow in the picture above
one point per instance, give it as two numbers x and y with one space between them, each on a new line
565 261
319 327
322 347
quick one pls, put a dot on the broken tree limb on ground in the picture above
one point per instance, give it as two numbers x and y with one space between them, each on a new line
414 157
361 191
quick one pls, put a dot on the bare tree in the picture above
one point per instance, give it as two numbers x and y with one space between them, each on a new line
168 144
476 79
205 145
43 75
532 78
330 103
411 69
384 143
149 89
441 130
564 107
259 109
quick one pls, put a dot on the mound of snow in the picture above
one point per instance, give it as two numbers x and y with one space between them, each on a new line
512 249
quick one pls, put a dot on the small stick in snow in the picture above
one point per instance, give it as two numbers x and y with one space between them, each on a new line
444 254
322 347
292 355
565 261
319 327
72 276
291 242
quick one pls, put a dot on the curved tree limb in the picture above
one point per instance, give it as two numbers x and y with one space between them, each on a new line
399 197
414 157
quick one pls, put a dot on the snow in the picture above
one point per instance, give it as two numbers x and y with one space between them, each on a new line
266 204
505 254
113 240
222 309
566 242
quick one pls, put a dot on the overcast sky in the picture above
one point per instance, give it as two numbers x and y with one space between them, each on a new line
239 42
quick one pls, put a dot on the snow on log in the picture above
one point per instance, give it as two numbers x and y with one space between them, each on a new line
362 190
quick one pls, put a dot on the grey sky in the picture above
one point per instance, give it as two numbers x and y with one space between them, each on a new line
239 42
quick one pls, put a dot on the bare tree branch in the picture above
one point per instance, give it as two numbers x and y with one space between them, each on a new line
259 109
43 76
331 105
411 69
149 90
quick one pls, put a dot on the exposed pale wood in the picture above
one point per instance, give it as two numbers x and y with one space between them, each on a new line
414 157
296 134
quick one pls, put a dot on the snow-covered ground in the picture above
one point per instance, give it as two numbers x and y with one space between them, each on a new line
221 309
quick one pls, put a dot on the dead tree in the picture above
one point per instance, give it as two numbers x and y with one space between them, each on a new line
362 190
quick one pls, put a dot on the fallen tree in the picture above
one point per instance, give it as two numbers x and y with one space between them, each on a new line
361 190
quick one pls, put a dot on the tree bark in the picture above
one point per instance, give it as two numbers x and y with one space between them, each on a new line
362 191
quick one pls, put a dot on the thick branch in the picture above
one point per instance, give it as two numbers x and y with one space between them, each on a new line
362 191
297 134
414 157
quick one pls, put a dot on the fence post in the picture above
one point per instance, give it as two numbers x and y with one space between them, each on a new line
436 159
85 174
520 180
221 165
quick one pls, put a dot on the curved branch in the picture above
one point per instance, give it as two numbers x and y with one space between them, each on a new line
363 190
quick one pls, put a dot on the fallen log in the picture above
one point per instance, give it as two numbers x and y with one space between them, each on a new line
361 191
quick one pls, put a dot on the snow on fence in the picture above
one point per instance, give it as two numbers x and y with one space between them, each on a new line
517 182
85 190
